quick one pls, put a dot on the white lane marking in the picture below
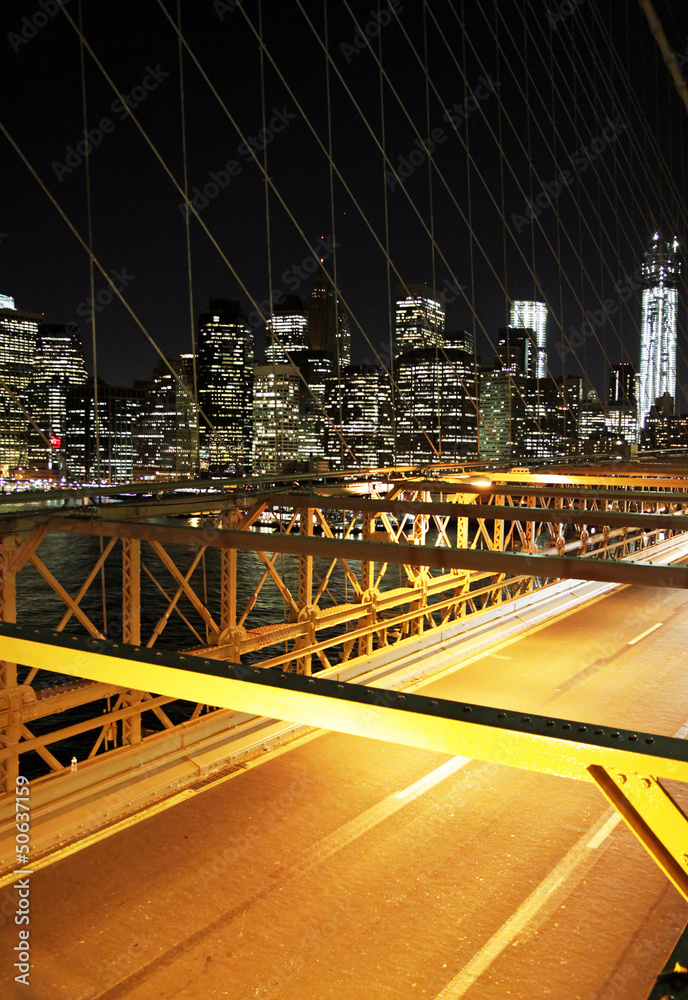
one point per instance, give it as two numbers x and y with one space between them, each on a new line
598 838
439 774
643 634
484 958
360 825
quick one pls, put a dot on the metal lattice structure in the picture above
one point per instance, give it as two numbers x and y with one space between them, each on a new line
373 562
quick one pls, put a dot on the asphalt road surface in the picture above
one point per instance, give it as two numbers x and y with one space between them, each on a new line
347 868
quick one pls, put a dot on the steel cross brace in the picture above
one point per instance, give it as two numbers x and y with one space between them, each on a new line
652 815
627 766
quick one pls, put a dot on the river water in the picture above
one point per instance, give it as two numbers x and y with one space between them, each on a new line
70 557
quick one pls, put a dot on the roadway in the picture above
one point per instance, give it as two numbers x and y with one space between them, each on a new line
342 867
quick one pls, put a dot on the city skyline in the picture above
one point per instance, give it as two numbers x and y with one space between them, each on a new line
309 408
485 241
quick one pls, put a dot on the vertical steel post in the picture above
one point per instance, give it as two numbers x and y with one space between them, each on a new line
228 576
306 611
531 545
365 643
131 626
462 542
420 527
11 733
498 546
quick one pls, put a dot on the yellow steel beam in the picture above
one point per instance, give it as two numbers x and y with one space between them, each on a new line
516 564
632 519
612 488
538 743
66 598
652 815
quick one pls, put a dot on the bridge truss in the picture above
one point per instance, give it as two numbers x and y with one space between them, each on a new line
314 577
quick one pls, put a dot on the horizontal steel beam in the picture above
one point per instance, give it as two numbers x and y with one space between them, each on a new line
483 560
553 515
453 486
566 748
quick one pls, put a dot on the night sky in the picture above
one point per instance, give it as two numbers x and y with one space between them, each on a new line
548 79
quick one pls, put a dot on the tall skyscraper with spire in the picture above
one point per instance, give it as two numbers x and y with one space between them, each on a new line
657 375
533 316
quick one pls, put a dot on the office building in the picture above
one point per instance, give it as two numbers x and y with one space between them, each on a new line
436 406
59 364
287 330
523 420
622 384
517 351
657 375
317 368
225 387
622 413
276 394
18 340
106 449
167 439
533 316
359 408
329 324
459 340
419 318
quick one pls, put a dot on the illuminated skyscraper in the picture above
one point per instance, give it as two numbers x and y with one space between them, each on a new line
276 390
287 329
517 351
167 442
657 375
119 413
18 336
359 407
419 320
437 406
533 316
225 386
317 368
622 384
59 364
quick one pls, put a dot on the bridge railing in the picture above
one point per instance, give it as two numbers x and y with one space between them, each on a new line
335 575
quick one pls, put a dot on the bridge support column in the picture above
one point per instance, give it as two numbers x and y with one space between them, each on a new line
307 613
131 628
365 643
462 542
498 546
530 545
11 733
228 576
